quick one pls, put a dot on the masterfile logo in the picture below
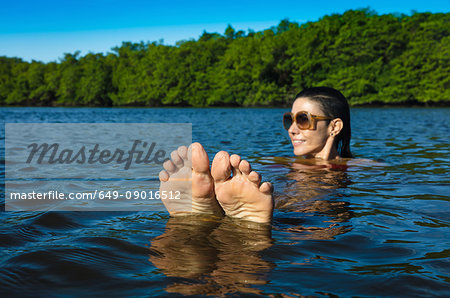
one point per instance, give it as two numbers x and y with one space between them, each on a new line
88 166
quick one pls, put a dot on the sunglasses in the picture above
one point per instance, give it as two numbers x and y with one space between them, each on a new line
304 120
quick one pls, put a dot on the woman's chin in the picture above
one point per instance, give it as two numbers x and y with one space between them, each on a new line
300 151
306 152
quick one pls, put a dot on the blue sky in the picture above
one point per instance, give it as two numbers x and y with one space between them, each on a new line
45 30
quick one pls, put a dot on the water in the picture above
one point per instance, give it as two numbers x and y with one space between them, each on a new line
371 229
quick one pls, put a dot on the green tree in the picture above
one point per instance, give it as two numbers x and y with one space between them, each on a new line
95 81
70 74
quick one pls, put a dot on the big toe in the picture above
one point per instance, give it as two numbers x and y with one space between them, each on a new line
199 157
221 167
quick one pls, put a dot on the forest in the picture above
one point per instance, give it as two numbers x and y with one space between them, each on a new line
370 58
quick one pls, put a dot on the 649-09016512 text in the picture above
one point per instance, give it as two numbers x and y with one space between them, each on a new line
96 194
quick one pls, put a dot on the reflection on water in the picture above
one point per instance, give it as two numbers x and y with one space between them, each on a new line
316 188
219 256
354 228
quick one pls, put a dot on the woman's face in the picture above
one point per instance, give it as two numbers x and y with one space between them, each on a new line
310 143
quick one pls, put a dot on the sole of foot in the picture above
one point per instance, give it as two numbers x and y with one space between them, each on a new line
239 190
187 178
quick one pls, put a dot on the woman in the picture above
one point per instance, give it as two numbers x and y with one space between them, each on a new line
319 128
319 124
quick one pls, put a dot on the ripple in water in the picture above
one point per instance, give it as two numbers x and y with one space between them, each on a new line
360 228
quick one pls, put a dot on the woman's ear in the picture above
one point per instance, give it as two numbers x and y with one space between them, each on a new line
335 126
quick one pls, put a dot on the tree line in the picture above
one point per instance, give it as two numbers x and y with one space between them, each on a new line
370 58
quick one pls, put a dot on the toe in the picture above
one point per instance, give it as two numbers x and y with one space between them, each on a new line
255 177
200 160
221 167
163 176
183 152
234 161
266 187
169 166
176 159
245 167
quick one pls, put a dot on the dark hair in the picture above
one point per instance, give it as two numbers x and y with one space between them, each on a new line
333 104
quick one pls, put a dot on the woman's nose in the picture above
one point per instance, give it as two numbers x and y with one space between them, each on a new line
293 129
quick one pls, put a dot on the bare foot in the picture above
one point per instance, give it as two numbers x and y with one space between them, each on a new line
187 183
241 195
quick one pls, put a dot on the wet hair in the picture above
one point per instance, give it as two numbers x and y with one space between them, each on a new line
333 104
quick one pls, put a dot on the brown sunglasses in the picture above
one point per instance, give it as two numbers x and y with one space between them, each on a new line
304 120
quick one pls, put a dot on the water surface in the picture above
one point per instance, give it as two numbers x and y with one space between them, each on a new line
363 230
